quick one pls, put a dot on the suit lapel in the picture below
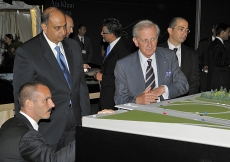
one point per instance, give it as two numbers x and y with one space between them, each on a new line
24 119
69 57
161 67
136 72
51 59
184 57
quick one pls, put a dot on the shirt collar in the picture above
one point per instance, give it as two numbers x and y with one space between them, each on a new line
32 121
112 44
52 44
171 46
213 38
144 59
220 40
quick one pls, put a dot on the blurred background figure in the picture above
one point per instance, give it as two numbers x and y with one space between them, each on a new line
10 47
85 44
69 25
203 55
117 49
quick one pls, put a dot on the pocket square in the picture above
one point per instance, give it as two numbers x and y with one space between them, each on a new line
168 73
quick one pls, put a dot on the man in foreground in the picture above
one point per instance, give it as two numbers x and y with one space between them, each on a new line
19 136
150 74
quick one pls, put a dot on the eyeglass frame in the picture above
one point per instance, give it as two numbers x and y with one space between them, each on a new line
102 32
182 29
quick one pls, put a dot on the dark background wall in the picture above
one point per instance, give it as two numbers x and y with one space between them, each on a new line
213 11
92 13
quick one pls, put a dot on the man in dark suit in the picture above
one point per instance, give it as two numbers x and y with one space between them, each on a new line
117 49
61 70
219 60
19 136
85 43
203 55
187 57
134 80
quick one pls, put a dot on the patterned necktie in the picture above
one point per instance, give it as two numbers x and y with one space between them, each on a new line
62 63
150 77
107 51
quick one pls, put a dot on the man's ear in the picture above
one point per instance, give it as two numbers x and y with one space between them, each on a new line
28 104
44 27
135 41
169 31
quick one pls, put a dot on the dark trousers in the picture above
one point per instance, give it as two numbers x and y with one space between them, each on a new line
69 132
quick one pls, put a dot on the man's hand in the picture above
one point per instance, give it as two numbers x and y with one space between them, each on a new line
106 111
98 76
147 97
86 67
158 91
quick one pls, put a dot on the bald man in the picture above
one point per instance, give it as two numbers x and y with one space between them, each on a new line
69 25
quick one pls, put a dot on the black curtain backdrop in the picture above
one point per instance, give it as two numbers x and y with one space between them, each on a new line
212 12
93 12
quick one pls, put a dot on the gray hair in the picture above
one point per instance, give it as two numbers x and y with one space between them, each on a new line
143 25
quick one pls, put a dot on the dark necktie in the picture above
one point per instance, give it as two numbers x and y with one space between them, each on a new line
175 50
62 63
82 42
150 77
107 51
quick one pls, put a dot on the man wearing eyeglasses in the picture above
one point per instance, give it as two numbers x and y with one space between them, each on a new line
117 49
187 57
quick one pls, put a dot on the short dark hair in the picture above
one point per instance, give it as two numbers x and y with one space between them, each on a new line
79 26
221 27
173 22
10 36
114 26
27 91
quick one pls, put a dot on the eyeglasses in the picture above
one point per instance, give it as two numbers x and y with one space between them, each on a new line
102 32
182 29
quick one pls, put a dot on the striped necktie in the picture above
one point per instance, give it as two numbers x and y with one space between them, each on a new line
150 77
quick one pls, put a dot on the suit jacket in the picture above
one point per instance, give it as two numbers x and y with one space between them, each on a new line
202 52
189 66
107 69
20 143
130 80
87 46
218 66
35 61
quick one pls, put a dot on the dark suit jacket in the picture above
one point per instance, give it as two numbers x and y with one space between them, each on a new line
107 69
130 80
218 66
189 66
202 51
35 61
87 46
20 143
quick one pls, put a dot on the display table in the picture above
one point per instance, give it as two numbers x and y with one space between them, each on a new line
183 129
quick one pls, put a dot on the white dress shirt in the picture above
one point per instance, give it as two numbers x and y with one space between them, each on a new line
53 45
178 53
32 121
144 65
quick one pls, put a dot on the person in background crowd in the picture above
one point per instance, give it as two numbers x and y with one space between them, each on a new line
187 57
